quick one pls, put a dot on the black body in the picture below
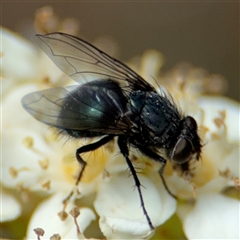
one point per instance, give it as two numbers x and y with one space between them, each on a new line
114 102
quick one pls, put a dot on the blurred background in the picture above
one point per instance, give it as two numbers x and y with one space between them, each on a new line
206 34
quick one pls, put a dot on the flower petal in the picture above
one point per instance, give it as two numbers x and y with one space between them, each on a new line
46 217
10 208
118 204
19 59
213 105
119 228
213 217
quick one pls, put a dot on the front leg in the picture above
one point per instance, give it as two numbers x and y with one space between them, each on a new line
154 156
122 143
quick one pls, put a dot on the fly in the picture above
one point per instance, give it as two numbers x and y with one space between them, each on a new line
111 101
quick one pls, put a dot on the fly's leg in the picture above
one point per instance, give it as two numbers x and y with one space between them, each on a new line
154 156
166 187
125 152
83 149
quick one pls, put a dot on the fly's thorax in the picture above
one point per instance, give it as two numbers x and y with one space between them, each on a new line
154 117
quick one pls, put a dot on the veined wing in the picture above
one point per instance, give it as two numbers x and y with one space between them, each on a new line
64 108
83 62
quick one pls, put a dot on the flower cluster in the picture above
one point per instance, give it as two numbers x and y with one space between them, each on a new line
40 166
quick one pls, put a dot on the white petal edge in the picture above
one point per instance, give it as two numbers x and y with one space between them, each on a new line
10 207
213 217
19 59
117 228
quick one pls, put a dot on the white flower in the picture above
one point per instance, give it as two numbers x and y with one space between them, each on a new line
206 212
36 160
214 215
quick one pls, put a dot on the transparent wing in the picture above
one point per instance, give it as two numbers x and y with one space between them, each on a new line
64 109
84 62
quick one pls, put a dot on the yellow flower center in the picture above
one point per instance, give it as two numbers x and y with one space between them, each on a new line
95 160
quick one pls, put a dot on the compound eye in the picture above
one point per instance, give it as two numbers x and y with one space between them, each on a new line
182 151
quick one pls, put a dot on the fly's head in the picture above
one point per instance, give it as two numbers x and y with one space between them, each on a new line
188 144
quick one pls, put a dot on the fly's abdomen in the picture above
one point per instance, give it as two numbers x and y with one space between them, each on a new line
92 107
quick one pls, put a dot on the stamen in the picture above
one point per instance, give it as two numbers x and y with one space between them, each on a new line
62 215
39 232
28 142
46 185
236 181
75 212
55 237
14 172
44 164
